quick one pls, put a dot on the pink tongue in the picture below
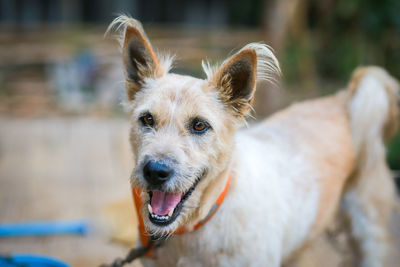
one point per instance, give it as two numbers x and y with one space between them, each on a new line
162 202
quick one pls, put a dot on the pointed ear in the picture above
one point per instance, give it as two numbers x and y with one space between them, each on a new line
140 60
236 81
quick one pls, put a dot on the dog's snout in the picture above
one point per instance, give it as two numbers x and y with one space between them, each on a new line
156 173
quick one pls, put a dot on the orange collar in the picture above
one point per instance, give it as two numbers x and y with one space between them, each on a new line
144 236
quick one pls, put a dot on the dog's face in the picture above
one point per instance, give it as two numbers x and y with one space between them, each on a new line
180 134
182 127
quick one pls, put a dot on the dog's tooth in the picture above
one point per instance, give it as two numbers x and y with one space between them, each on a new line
150 208
170 212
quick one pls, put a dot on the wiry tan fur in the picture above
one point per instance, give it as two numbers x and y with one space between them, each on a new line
289 173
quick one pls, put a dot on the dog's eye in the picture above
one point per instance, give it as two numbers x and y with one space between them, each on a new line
147 120
199 126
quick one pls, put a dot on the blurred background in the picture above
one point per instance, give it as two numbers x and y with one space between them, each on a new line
64 152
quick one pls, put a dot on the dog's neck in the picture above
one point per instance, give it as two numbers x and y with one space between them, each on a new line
215 187
209 197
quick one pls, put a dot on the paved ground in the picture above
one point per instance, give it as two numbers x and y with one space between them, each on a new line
67 169
63 169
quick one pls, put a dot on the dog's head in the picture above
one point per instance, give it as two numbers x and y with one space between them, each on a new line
183 127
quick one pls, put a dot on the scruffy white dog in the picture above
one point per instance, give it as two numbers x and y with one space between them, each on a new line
256 196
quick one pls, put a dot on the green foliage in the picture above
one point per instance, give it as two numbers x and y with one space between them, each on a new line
357 32
346 34
394 153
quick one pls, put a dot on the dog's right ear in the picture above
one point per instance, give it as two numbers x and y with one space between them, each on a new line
140 60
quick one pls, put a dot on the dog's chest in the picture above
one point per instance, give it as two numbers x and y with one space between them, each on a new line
259 216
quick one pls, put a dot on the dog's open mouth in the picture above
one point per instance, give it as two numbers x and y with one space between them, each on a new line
165 207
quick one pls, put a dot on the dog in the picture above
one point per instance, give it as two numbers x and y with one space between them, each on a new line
255 196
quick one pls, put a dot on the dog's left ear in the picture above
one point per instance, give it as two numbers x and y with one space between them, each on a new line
236 79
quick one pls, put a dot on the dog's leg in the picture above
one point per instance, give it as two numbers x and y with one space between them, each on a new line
369 198
369 206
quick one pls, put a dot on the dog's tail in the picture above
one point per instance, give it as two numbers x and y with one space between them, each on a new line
373 106
369 199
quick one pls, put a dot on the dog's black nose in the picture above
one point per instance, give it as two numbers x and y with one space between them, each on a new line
156 173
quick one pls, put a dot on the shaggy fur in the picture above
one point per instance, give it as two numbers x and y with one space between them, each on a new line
288 173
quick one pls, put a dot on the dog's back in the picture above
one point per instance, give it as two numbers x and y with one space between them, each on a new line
336 145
